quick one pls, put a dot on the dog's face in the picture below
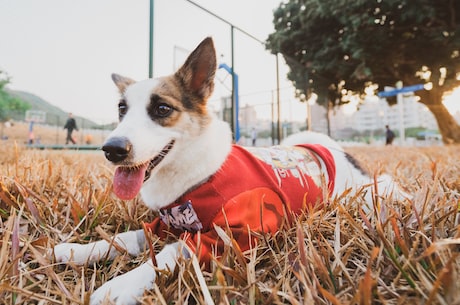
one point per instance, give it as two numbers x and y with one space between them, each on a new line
156 115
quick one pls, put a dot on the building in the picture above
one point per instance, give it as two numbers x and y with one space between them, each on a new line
373 114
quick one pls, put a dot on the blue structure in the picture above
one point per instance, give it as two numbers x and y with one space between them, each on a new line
235 103
399 93
401 90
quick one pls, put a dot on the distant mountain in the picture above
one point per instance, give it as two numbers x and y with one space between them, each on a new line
54 115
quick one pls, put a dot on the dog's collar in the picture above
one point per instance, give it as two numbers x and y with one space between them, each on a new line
180 201
182 217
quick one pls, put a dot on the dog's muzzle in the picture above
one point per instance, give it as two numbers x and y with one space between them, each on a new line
129 177
117 149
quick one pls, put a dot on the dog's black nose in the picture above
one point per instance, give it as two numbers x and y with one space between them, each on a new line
117 149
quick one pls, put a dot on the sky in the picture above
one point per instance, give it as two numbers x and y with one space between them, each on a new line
64 51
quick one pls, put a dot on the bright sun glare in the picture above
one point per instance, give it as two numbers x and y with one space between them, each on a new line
452 101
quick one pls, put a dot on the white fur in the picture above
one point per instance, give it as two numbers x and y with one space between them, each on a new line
127 288
133 242
137 125
195 155
199 151
199 156
311 137
347 175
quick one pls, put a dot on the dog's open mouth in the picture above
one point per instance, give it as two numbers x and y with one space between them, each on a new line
128 180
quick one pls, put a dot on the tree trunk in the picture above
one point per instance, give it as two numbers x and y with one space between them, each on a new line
448 127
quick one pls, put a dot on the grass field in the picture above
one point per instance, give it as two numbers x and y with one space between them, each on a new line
336 255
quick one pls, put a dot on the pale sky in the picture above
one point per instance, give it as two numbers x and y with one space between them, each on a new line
65 51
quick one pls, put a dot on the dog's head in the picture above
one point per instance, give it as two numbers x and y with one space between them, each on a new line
155 115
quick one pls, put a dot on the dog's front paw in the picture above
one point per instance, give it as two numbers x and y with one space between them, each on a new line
126 289
72 252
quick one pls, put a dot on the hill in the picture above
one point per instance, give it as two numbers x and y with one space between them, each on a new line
54 115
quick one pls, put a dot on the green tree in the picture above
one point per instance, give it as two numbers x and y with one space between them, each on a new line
337 46
9 103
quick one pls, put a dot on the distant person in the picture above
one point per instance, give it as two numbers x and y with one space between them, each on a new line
390 135
254 136
70 125
31 133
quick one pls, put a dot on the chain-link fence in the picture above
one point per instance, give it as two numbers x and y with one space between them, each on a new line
259 125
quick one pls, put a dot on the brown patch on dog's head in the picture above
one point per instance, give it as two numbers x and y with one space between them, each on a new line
189 88
186 91
196 76
172 93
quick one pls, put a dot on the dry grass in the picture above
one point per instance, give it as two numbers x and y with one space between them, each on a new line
333 256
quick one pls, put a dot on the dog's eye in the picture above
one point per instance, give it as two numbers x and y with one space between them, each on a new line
122 109
158 108
163 110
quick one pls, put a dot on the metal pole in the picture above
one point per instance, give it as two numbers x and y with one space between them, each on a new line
237 110
57 129
308 96
273 119
308 115
278 99
233 117
82 131
234 112
151 39
399 99
235 103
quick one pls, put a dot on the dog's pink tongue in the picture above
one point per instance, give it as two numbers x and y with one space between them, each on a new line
128 182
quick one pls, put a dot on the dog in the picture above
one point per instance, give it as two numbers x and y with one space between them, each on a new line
169 148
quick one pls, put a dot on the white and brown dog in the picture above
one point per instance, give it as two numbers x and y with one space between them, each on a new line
181 159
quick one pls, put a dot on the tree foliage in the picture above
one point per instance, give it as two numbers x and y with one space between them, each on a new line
9 103
338 46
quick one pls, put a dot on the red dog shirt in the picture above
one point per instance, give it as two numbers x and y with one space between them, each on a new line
253 191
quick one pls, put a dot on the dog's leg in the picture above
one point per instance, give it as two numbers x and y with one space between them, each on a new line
133 242
126 289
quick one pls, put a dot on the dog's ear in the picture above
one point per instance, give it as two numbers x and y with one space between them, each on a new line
122 82
198 71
